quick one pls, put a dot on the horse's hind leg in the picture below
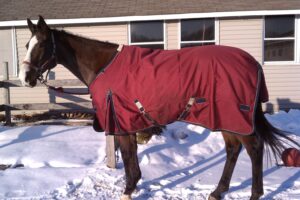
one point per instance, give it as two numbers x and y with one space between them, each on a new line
254 146
233 148
128 147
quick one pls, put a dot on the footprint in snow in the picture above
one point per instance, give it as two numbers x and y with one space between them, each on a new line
145 160
179 135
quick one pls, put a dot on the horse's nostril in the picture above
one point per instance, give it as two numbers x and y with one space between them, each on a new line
33 83
30 78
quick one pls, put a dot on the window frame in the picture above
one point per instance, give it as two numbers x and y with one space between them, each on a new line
164 42
296 38
216 40
15 52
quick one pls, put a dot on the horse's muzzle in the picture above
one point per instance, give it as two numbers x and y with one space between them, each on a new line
31 78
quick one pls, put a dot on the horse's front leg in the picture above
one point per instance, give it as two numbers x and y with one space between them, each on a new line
128 147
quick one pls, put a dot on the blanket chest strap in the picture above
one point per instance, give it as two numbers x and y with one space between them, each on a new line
147 116
187 109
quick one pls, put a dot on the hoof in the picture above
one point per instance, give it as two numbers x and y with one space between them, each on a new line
255 197
125 197
213 198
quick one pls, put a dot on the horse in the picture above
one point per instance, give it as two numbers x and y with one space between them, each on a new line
85 58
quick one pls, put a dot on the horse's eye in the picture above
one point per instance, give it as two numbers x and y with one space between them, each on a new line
27 46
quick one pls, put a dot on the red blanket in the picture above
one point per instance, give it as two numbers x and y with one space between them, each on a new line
216 87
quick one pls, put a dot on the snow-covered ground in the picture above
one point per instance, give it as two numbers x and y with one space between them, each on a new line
68 162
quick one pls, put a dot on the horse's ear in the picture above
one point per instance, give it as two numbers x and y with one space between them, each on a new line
31 26
42 26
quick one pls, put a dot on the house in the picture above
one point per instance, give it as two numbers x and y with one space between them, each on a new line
268 30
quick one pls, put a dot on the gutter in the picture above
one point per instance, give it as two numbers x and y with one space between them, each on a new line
154 17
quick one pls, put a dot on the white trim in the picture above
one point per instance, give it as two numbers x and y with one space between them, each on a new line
297 38
263 42
198 41
179 35
156 17
217 31
129 33
165 35
14 51
164 42
146 43
281 38
280 63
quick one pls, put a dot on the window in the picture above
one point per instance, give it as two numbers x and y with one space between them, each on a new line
197 32
148 34
279 40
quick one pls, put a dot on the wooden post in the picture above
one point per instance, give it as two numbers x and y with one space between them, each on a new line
6 95
111 151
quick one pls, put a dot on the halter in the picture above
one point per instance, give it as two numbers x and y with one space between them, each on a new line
45 65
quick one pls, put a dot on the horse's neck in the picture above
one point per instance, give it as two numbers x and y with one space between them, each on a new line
83 57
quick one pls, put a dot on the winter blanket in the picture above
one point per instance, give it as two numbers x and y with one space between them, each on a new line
217 87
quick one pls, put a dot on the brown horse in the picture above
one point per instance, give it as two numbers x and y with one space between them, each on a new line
86 57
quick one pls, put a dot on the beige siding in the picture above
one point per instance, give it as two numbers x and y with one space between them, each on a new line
22 36
23 94
282 80
6 49
116 33
172 34
1 95
243 33
5 53
284 86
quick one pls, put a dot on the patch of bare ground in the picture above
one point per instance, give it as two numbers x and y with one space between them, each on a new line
48 118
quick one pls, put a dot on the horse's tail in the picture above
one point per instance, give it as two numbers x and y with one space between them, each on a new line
274 139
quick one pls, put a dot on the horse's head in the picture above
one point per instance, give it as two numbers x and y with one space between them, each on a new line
41 53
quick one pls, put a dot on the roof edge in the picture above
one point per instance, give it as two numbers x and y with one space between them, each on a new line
154 17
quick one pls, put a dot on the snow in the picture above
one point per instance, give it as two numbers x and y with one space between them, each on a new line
186 162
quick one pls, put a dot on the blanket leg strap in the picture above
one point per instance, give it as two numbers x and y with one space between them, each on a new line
111 106
187 109
147 116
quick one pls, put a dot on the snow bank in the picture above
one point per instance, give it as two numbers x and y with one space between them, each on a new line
186 162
